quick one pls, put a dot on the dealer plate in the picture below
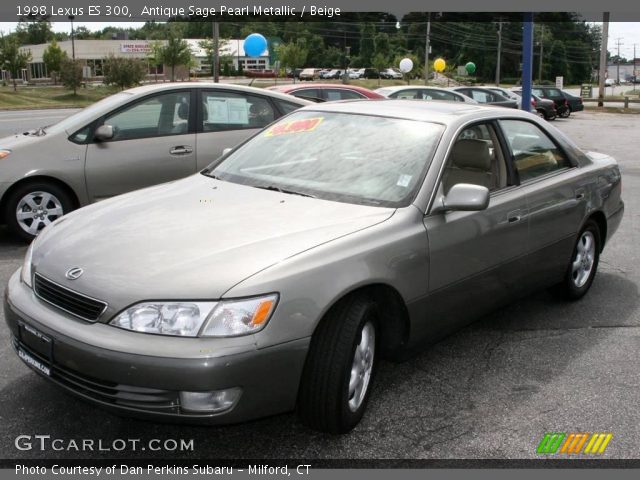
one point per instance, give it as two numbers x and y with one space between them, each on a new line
34 362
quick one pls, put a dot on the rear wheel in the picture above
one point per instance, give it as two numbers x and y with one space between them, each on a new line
33 206
583 265
566 112
340 367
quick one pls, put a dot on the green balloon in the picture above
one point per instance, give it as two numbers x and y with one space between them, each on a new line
470 67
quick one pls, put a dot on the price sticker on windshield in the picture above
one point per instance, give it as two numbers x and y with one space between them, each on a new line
294 126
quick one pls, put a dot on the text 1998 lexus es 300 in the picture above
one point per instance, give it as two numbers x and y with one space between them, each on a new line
277 277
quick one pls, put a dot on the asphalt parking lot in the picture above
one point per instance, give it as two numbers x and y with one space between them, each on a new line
489 391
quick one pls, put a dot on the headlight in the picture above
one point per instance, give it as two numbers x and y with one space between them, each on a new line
4 153
25 276
186 319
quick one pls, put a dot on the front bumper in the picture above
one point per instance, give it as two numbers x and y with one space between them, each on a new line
148 386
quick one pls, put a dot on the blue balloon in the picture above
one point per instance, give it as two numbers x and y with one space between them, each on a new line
255 45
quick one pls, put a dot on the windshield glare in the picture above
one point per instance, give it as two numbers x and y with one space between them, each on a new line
337 156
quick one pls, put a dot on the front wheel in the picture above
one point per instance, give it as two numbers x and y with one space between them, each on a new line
583 265
340 367
33 206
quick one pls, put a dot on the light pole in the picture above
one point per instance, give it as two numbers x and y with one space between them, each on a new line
426 49
73 51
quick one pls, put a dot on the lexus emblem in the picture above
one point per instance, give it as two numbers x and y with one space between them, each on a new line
74 273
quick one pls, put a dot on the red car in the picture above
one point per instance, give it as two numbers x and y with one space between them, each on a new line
327 92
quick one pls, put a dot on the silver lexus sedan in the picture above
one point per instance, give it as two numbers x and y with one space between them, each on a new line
276 278
133 139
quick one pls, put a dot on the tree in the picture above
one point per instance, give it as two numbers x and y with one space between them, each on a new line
71 73
12 57
124 72
379 62
34 32
366 44
174 52
52 58
558 64
207 46
292 54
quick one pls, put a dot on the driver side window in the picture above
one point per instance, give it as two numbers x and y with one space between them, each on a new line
476 158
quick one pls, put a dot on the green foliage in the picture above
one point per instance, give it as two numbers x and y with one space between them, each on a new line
558 66
367 47
175 52
293 54
71 73
34 32
52 58
12 57
124 72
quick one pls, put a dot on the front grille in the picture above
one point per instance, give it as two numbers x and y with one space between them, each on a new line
140 398
71 302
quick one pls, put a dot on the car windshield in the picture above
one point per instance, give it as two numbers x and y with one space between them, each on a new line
336 156
78 120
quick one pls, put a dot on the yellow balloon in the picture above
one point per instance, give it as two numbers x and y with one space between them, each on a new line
439 65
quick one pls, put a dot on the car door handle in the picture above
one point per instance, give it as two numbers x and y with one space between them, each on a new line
181 150
579 194
514 217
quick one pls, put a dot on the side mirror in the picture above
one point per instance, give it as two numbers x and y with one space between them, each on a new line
226 151
464 197
104 132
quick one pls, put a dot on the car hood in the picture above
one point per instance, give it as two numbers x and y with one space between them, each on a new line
194 239
18 140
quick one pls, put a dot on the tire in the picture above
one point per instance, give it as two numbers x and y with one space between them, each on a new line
27 200
329 399
565 113
583 265
549 117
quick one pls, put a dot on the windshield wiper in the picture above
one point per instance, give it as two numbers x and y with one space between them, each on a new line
283 190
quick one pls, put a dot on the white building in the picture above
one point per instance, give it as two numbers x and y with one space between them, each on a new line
93 52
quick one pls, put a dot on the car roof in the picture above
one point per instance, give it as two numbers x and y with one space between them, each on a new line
396 88
439 112
158 87
340 86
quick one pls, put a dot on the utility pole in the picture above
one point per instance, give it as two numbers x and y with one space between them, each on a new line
499 52
426 49
541 54
216 53
618 43
603 57
635 70
73 50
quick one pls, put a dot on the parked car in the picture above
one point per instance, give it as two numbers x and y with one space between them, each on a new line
416 92
356 74
278 277
573 102
310 74
130 140
505 93
295 73
331 74
555 94
486 96
391 74
327 92
542 106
